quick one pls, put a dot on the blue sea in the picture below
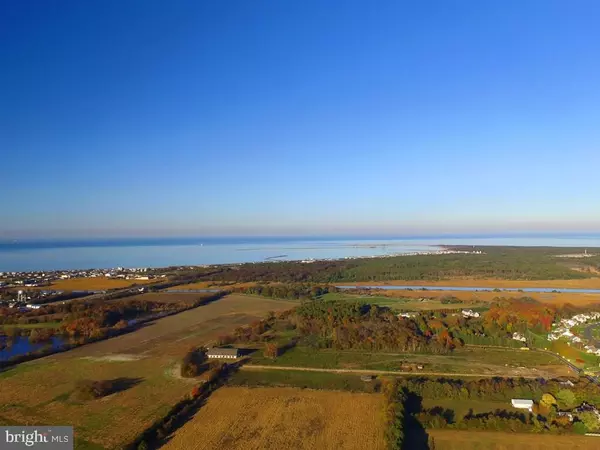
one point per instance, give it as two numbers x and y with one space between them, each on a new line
30 255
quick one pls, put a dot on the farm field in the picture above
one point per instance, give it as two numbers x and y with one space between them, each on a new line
483 297
487 440
420 302
92 284
468 360
40 391
279 418
301 379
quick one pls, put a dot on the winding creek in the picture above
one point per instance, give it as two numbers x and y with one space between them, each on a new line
21 346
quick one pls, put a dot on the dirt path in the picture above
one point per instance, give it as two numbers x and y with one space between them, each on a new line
378 372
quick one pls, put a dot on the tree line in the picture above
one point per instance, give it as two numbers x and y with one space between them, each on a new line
511 263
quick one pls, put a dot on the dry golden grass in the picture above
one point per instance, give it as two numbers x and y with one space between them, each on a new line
550 297
487 440
39 392
92 284
284 418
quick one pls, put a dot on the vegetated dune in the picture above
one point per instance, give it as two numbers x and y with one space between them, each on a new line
284 418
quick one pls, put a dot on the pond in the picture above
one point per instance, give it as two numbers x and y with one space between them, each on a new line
20 345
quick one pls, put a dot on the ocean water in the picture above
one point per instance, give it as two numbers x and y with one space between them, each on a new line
104 253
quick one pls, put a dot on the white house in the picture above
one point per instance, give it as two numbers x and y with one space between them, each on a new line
522 403
469 313
407 315
518 337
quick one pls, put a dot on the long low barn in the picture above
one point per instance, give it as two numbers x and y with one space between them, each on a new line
220 353
522 403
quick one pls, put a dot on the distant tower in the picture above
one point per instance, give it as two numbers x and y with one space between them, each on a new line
21 297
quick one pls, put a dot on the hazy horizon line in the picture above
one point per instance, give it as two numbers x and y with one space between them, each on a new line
308 236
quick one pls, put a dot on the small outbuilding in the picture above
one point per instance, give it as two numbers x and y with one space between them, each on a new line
223 353
522 403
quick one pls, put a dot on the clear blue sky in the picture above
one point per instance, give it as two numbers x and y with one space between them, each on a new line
306 117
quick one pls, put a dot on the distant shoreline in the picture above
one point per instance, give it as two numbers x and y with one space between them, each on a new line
78 254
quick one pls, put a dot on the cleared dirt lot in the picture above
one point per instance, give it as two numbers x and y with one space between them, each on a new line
40 391
284 418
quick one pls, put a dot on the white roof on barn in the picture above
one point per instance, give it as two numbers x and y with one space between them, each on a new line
521 403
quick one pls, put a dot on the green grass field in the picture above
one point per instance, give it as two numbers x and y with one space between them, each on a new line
467 360
405 303
580 358
309 380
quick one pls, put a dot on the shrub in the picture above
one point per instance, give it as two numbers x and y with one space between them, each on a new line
121 325
193 363
215 369
271 350
89 390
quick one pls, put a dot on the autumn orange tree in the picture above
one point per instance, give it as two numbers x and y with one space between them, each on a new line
271 350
